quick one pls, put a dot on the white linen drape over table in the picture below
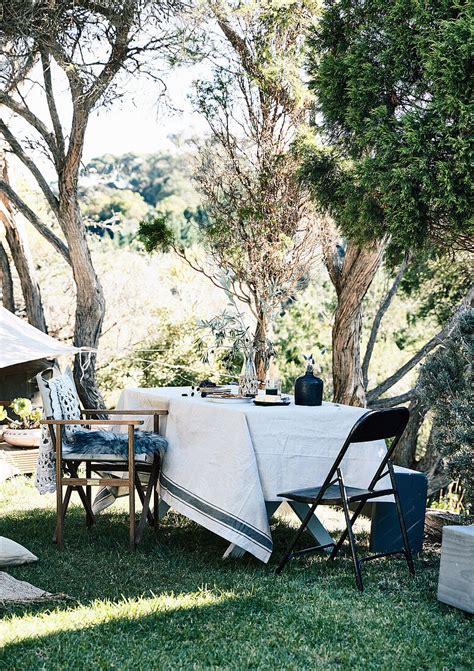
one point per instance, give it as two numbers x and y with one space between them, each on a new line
224 461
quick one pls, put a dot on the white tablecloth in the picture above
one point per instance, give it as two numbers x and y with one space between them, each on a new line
224 461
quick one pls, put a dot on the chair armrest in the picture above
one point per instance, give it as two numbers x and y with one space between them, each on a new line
93 422
123 412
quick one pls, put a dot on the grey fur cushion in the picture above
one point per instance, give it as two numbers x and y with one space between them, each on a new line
87 442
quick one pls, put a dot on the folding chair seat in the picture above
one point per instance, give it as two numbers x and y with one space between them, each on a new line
332 495
101 452
374 425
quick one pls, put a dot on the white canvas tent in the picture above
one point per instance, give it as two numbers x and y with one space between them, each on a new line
21 342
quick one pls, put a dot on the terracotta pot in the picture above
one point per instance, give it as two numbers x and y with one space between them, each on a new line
22 437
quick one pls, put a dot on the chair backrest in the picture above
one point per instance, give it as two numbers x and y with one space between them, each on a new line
374 425
60 399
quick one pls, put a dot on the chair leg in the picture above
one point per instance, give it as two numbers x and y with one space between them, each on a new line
59 490
156 508
65 504
350 533
141 494
287 556
90 518
131 487
343 536
146 502
58 537
401 520
89 522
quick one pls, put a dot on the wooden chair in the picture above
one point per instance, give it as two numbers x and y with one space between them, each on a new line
374 425
65 420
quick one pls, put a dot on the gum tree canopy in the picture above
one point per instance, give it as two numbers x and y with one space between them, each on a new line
393 88
71 53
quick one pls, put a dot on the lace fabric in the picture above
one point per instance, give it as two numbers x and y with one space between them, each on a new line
60 401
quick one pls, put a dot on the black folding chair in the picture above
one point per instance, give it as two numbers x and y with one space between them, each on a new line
374 425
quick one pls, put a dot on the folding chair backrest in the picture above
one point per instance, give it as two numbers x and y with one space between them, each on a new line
379 425
374 425
60 399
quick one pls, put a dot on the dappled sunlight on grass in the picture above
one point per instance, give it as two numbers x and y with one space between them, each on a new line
21 627
174 603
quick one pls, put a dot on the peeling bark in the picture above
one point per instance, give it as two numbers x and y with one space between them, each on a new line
352 271
8 297
90 300
21 255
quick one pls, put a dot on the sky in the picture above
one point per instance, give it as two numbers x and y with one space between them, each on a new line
140 122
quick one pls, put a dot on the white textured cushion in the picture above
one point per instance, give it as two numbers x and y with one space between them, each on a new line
14 554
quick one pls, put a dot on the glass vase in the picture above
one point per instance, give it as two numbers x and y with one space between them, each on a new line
248 383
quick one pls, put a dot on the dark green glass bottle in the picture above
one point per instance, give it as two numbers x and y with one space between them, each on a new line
308 387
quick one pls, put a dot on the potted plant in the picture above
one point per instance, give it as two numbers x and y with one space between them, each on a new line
26 431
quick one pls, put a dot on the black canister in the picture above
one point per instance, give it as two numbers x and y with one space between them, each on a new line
308 387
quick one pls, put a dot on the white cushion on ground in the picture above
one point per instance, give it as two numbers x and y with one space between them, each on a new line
14 554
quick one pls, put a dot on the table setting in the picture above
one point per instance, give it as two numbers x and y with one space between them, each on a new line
229 455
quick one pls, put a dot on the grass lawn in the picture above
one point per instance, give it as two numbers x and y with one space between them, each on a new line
174 604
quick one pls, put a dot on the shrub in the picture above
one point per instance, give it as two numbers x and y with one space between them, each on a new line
446 384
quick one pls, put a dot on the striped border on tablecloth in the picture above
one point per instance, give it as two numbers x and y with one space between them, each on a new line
218 515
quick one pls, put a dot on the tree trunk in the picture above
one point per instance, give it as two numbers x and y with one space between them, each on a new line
21 255
405 452
90 301
8 297
29 285
351 273
260 341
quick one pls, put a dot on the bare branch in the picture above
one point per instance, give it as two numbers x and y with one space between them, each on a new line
33 218
430 345
182 255
394 400
48 82
383 307
31 165
33 120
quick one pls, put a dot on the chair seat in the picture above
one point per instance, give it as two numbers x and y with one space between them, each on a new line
86 445
332 494
106 458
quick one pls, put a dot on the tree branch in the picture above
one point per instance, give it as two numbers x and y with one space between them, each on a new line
383 307
182 255
394 400
431 344
33 120
31 165
33 218
53 112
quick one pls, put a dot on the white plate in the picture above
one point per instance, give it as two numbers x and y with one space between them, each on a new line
229 400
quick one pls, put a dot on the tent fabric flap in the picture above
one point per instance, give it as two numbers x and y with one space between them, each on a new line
21 342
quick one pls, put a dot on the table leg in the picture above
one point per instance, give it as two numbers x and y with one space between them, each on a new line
236 552
316 529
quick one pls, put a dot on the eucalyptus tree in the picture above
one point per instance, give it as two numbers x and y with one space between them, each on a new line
260 230
78 47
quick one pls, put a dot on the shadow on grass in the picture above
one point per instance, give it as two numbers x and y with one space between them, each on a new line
175 604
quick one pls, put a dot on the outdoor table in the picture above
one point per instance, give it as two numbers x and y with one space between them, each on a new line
226 462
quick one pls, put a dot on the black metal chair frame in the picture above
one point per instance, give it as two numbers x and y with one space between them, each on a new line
73 482
374 425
